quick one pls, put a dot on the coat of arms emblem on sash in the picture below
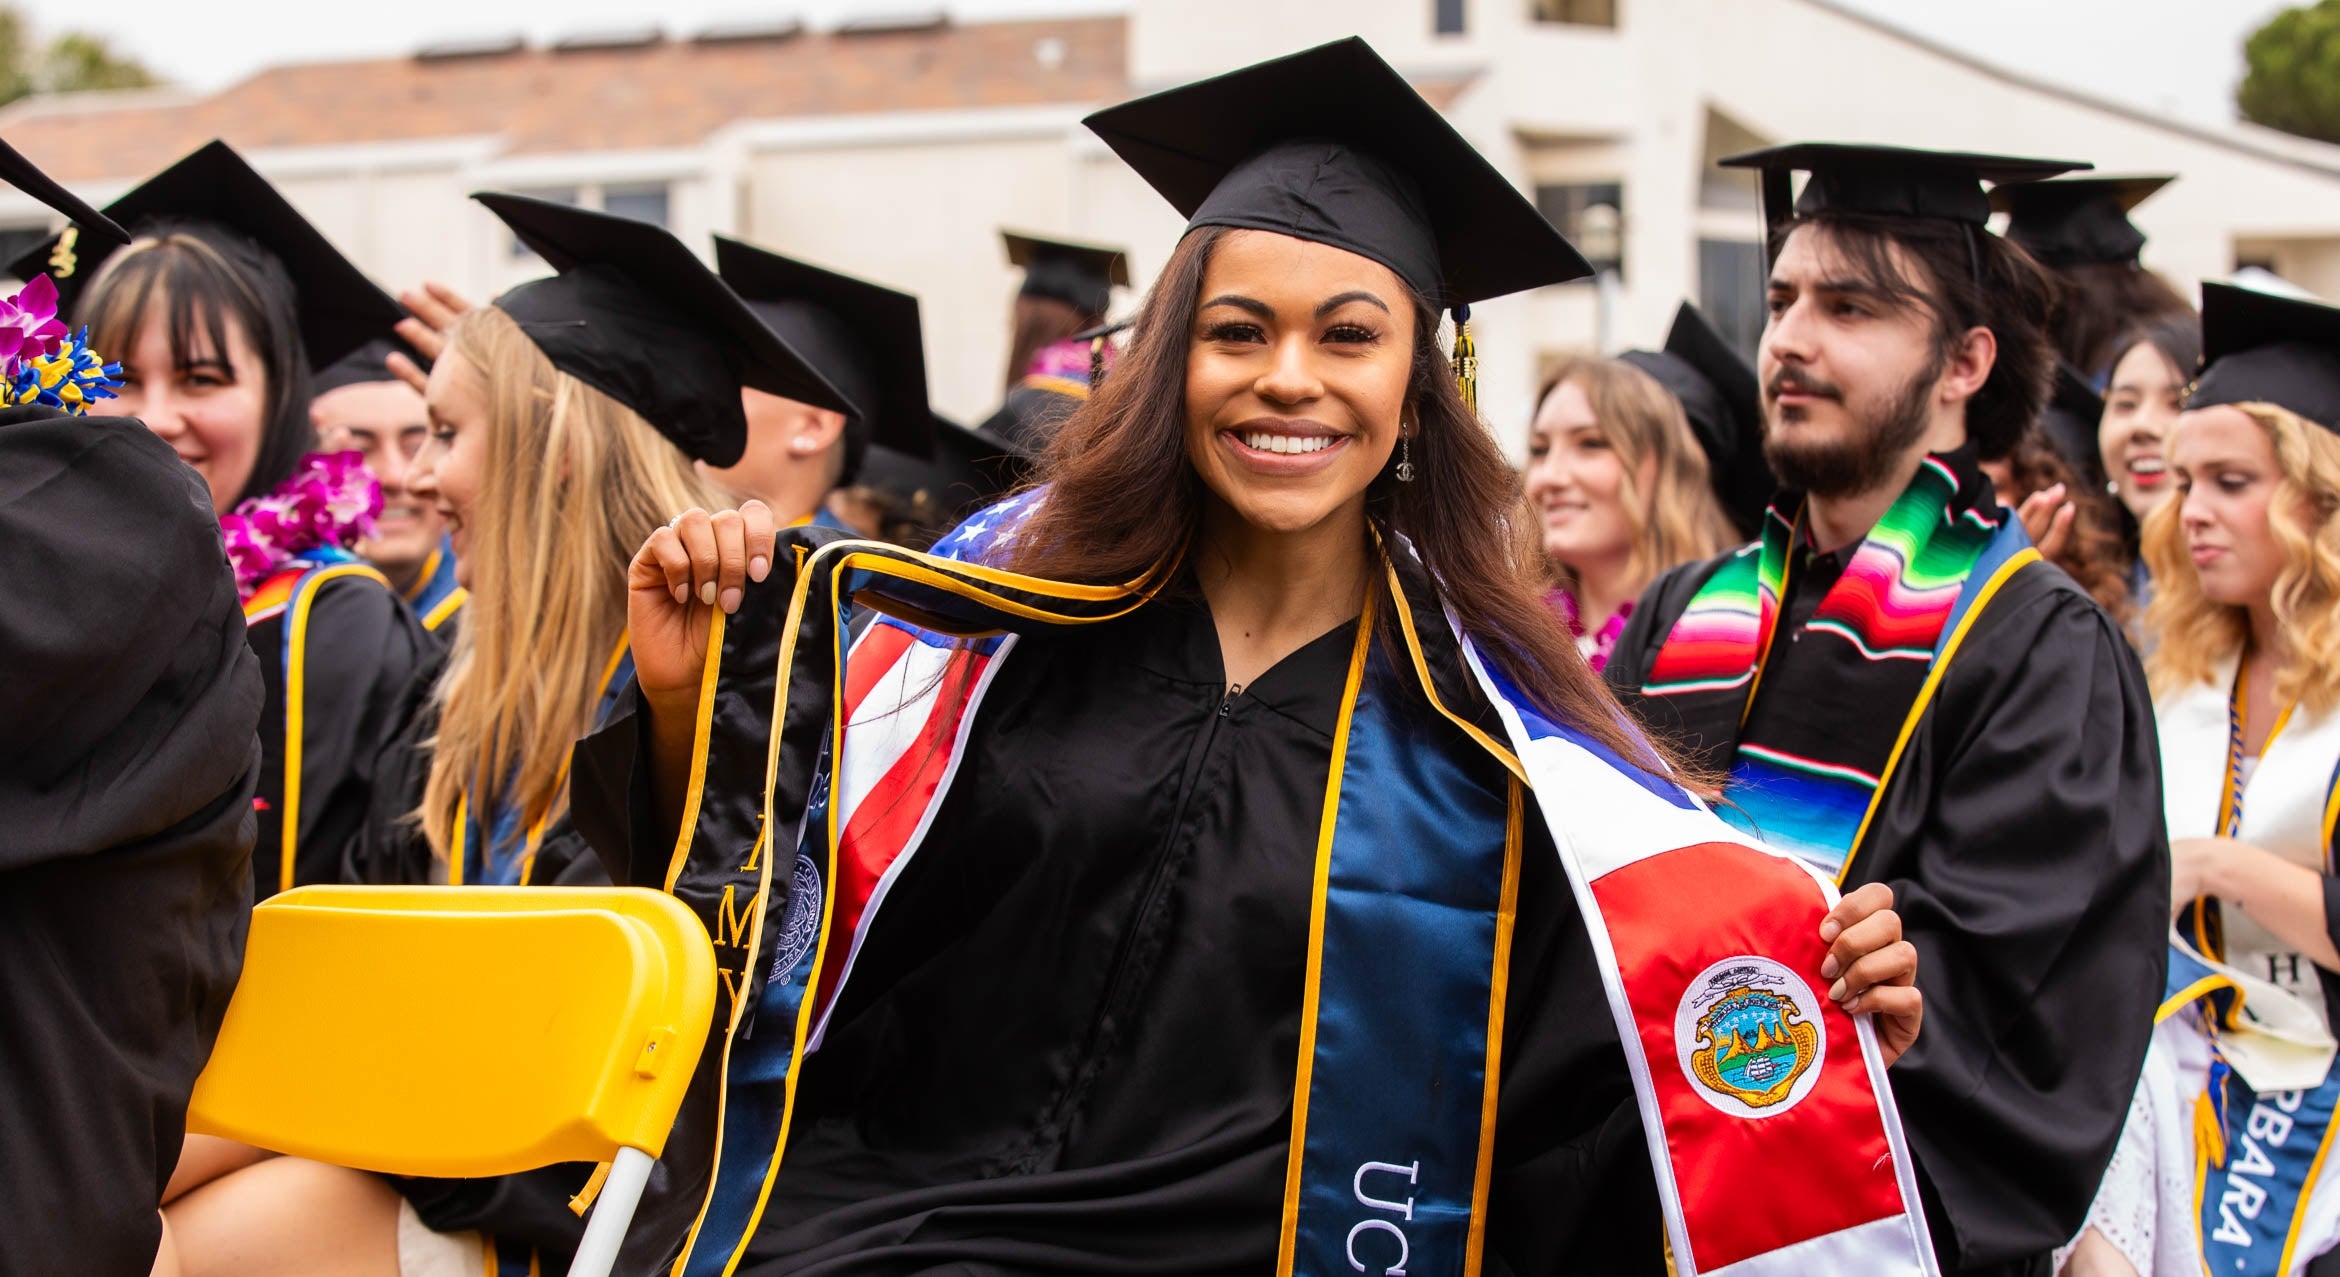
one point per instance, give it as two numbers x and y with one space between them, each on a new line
1749 1035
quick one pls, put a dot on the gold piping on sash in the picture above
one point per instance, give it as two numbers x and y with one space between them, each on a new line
2185 997
296 675
808 1004
1917 708
1288 1241
682 846
706 719
445 608
1405 615
422 579
1499 991
2299 1211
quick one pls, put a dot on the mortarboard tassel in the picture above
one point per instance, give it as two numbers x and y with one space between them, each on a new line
1096 363
1466 359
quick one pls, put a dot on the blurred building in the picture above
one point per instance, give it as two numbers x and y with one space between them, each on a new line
895 148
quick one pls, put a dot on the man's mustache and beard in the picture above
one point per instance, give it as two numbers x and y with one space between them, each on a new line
1877 431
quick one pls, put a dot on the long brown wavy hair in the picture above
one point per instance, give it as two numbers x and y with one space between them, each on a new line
2093 554
2191 633
1124 499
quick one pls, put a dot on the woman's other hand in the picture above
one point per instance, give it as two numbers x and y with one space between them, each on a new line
1874 969
434 308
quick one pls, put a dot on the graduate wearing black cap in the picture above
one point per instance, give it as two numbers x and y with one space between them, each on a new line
633 338
1916 670
2250 743
867 339
219 308
1053 351
359 404
2079 228
1074 1038
1718 393
128 761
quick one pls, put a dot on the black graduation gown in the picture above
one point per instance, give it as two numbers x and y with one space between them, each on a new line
127 765
530 1209
2022 837
1070 1040
363 648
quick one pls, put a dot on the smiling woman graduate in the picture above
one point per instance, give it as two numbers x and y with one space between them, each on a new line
1207 924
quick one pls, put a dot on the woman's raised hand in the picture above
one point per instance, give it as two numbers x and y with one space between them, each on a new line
433 308
686 570
1874 969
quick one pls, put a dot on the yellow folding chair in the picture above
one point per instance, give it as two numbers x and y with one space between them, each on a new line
466 1031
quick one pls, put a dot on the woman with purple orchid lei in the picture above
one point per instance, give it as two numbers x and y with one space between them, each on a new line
330 500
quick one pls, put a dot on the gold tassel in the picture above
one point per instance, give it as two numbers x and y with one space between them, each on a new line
1466 359
62 260
1096 364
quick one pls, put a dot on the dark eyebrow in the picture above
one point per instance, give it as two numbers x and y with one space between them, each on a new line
1331 304
1242 303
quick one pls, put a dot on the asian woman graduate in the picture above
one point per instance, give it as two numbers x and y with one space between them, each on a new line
566 419
1207 923
217 310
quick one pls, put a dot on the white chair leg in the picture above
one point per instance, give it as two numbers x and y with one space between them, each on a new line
613 1211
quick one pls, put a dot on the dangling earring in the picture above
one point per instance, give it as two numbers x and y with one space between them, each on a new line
1405 465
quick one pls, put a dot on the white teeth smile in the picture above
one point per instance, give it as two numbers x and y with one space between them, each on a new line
2146 465
1291 444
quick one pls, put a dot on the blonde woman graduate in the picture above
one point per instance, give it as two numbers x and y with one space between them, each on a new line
2223 1165
567 417
1217 859
217 309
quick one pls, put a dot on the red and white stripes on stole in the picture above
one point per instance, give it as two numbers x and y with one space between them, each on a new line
908 696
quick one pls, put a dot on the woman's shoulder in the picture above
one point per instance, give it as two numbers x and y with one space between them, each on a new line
353 620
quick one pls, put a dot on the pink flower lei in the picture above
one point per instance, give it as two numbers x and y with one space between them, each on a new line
331 500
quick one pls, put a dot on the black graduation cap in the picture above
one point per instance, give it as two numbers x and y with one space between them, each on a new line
969 467
368 363
1333 146
1723 400
2074 411
1887 181
20 173
2260 348
864 337
635 315
1082 276
340 309
2077 221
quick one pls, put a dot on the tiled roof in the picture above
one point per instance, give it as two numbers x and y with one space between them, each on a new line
672 93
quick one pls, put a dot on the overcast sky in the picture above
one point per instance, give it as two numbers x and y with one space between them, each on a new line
2181 57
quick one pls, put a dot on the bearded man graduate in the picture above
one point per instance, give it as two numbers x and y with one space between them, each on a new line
1899 689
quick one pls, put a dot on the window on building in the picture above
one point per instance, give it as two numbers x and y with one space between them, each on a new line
1592 216
643 203
1446 16
1731 290
1575 13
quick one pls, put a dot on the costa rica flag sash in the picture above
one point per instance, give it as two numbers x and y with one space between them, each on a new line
813 781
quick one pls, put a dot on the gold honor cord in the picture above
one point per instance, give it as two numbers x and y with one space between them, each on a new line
296 673
1925 697
1320 885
